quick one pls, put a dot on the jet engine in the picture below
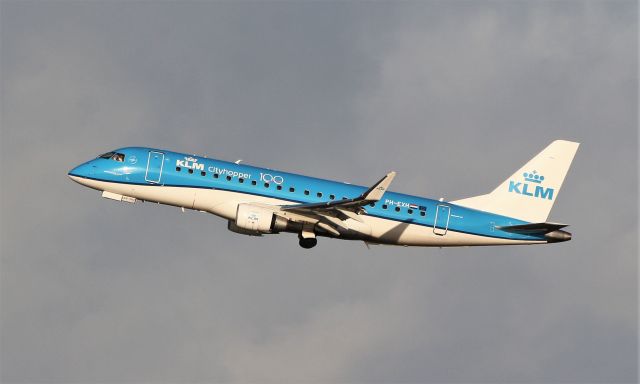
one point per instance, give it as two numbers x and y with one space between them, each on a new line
254 220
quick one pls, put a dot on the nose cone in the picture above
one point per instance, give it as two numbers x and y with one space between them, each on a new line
81 171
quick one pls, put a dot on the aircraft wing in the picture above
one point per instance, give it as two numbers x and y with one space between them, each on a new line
346 207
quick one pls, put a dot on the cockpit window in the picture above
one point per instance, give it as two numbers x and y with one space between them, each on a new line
119 157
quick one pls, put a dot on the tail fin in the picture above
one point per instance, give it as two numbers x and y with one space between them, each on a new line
529 193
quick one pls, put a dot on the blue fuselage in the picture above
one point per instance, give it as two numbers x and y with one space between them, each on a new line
160 168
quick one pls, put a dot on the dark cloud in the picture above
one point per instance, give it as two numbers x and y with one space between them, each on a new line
455 96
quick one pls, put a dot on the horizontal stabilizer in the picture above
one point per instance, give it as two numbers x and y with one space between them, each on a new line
532 229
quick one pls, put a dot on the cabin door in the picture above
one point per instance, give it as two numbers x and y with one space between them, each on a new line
441 222
154 167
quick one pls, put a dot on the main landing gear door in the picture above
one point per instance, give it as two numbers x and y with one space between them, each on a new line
154 167
441 222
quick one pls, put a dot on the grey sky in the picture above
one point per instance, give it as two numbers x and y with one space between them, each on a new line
453 95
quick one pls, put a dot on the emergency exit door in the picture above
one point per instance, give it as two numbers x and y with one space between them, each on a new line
441 222
154 167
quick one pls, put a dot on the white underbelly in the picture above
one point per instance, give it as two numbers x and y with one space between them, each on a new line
225 203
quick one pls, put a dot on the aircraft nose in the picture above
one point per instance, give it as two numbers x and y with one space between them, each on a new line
82 170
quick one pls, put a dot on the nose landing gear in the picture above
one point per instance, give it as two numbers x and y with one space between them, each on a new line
307 237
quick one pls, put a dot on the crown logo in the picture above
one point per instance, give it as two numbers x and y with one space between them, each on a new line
191 159
533 177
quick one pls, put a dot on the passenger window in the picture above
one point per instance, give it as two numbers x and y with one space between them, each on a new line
397 209
332 197
178 169
291 189
319 194
253 182
384 206
410 211
422 213
306 192
215 175
266 185
203 173
228 178
190 170
241 180
372 204
279 187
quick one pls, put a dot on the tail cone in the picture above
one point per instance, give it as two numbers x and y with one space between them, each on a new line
557 236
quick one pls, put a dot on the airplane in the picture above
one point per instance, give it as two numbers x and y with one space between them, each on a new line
258 201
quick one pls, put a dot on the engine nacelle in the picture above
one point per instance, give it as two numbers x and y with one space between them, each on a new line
254 220
234 228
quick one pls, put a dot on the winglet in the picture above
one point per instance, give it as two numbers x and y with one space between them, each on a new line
375 193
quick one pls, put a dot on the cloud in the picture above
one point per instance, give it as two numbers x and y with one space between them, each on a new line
322 348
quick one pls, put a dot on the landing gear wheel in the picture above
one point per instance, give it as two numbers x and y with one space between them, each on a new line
308 243
307 236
